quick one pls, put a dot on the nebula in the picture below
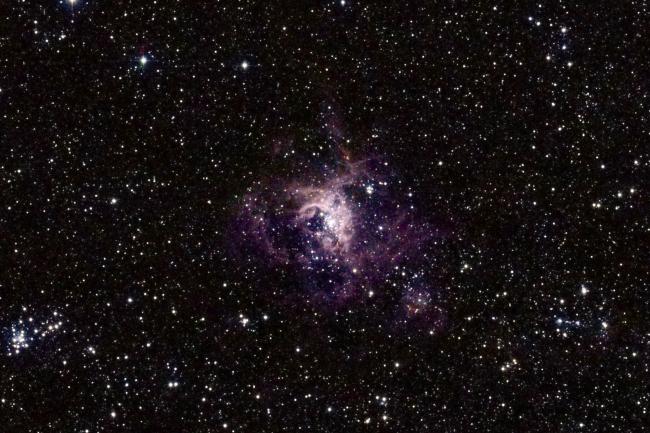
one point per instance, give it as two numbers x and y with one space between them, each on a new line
342 233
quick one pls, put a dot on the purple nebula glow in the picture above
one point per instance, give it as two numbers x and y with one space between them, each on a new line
341 234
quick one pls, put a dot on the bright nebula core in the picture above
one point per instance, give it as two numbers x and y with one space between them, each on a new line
340 232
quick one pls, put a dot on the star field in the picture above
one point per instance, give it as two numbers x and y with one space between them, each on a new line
241 216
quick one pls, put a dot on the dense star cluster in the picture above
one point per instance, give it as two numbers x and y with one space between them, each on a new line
331 216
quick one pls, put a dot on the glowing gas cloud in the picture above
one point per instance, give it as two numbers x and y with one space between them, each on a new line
342 232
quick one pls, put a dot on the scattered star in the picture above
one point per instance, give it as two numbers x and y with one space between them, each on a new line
246 216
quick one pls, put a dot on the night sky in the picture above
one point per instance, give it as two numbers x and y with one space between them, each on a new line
324 216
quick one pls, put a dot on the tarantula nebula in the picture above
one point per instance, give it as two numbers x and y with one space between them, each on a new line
341 231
